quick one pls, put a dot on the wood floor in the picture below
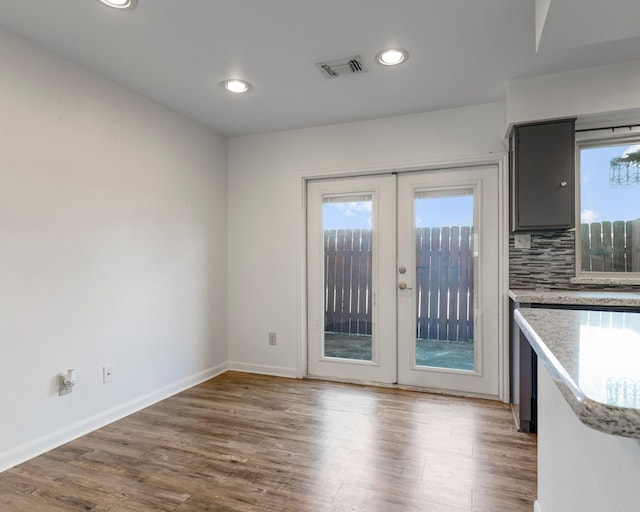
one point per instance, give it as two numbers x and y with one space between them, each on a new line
243 442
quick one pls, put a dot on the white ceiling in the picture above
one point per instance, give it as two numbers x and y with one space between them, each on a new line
462 52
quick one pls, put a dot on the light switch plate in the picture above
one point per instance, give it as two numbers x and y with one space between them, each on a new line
522 241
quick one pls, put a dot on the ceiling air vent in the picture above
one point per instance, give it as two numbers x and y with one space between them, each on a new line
342 67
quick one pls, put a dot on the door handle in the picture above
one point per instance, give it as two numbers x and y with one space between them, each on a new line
403 286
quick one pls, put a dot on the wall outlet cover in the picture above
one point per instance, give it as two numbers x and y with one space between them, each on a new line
62 389
522 241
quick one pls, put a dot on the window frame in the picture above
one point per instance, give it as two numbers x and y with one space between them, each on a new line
596 139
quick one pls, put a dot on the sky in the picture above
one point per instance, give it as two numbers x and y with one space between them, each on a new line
599 200
347 215
441 211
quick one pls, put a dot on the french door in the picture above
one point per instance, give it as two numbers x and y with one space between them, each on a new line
403 279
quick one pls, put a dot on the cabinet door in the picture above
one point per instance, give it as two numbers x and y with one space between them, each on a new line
543 176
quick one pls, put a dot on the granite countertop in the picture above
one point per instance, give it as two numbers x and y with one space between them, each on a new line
594 358
576 298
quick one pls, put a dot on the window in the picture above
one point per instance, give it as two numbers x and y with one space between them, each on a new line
608 199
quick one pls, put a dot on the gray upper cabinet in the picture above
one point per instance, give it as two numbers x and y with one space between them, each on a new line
543 175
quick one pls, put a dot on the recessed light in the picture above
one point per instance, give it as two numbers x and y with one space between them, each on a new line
236 86
120 4
392 56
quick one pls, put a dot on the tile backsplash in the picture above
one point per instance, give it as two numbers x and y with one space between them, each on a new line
549 263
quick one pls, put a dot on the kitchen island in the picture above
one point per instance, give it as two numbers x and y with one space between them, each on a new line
588 408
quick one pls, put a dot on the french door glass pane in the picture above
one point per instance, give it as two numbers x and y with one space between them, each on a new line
347 222
444 279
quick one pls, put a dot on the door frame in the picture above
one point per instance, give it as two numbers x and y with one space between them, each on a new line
303 176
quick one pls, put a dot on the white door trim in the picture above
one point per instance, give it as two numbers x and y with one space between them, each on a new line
499 159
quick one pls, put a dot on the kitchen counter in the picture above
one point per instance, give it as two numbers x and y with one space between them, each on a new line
588 408
523 359
576 298
594 359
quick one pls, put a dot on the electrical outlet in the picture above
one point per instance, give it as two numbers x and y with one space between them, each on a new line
522 241
107 374
66 381
272 338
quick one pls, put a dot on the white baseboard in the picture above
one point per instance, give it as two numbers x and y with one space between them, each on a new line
277 371
43 444
536 506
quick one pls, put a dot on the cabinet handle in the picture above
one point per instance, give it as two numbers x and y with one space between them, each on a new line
563 183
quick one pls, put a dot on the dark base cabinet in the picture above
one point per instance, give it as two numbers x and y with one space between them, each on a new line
528 408
524 377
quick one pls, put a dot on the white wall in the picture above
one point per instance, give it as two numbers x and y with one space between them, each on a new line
112 250
610 89
265 216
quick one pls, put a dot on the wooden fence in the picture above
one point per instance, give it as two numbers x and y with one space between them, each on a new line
443 283
610 246
347 280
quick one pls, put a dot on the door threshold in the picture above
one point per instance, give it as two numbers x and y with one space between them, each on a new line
404 387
